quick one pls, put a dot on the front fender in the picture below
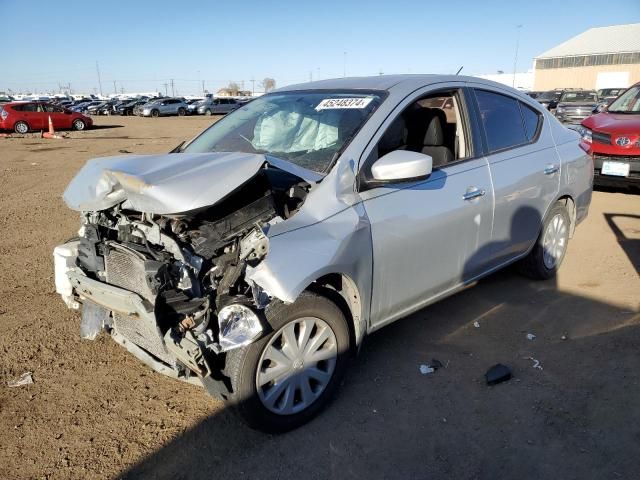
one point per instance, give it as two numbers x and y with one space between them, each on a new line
339 244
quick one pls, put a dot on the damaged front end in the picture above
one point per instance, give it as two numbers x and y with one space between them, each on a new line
171 287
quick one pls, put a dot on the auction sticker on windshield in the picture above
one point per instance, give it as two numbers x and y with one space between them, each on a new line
328 103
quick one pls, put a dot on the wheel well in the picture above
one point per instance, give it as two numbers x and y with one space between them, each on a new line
571 209
342 290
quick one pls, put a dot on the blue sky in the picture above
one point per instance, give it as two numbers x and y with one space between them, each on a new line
143 44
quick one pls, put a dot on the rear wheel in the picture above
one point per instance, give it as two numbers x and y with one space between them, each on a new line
181 112
287 377
547 255
78 124
207 112
21 127
155 113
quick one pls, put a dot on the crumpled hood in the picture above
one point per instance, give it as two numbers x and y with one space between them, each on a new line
167 183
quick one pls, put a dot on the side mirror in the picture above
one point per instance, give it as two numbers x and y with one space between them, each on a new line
402 165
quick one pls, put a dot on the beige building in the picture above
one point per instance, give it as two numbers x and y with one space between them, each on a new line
603 57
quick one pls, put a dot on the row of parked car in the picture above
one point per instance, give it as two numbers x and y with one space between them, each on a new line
610 130
24 116
573 105
155 107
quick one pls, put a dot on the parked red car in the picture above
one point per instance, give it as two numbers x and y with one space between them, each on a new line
613 138
24 116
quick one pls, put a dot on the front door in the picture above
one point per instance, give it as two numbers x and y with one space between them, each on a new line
430 236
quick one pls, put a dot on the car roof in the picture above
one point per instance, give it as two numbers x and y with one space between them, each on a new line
408 82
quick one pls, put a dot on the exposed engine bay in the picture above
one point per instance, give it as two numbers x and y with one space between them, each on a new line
188 269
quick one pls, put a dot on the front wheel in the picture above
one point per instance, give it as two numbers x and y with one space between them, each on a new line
547 254
287 377
155 113
78 125
181 112
207 112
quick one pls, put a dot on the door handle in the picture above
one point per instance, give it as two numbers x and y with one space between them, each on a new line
473 192
550 169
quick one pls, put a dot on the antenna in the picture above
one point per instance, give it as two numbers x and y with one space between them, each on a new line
459 70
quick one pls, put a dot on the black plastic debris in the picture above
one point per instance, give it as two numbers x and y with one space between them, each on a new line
497 374
436 364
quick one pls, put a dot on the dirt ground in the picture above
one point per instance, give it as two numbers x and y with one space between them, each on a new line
94 411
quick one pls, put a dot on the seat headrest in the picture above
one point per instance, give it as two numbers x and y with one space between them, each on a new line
395 136
434 137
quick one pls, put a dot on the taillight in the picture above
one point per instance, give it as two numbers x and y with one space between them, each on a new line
3 113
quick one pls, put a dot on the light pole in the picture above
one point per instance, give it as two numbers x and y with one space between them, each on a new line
344 65
515 57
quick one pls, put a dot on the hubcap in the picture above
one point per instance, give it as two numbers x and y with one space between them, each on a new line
22 128
79 125
296 365
554 241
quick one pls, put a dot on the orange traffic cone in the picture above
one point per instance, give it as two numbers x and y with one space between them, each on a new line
51 133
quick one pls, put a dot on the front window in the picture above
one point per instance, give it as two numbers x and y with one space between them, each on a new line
578 96
628 102
307 128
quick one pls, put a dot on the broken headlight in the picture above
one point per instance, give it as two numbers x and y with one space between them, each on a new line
239 326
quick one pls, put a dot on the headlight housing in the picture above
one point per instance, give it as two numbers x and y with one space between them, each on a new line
586 134
238 326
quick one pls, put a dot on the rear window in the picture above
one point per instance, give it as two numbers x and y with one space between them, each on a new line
531 120
502 120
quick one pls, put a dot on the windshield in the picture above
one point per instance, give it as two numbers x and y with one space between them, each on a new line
580 96
307 128
628 102
548 95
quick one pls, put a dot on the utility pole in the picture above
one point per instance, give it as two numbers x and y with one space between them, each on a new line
115 89
99 80
173 94
203 89
166 93
310 75
515 57
253 87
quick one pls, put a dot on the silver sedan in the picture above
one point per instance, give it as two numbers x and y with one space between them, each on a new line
255 259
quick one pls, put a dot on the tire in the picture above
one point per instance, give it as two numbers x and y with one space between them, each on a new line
543 262
207 112
21 127
248 366
78 125
155 113
181 112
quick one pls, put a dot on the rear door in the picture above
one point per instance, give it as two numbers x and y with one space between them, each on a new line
32 114
219 105
231 105
525 170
